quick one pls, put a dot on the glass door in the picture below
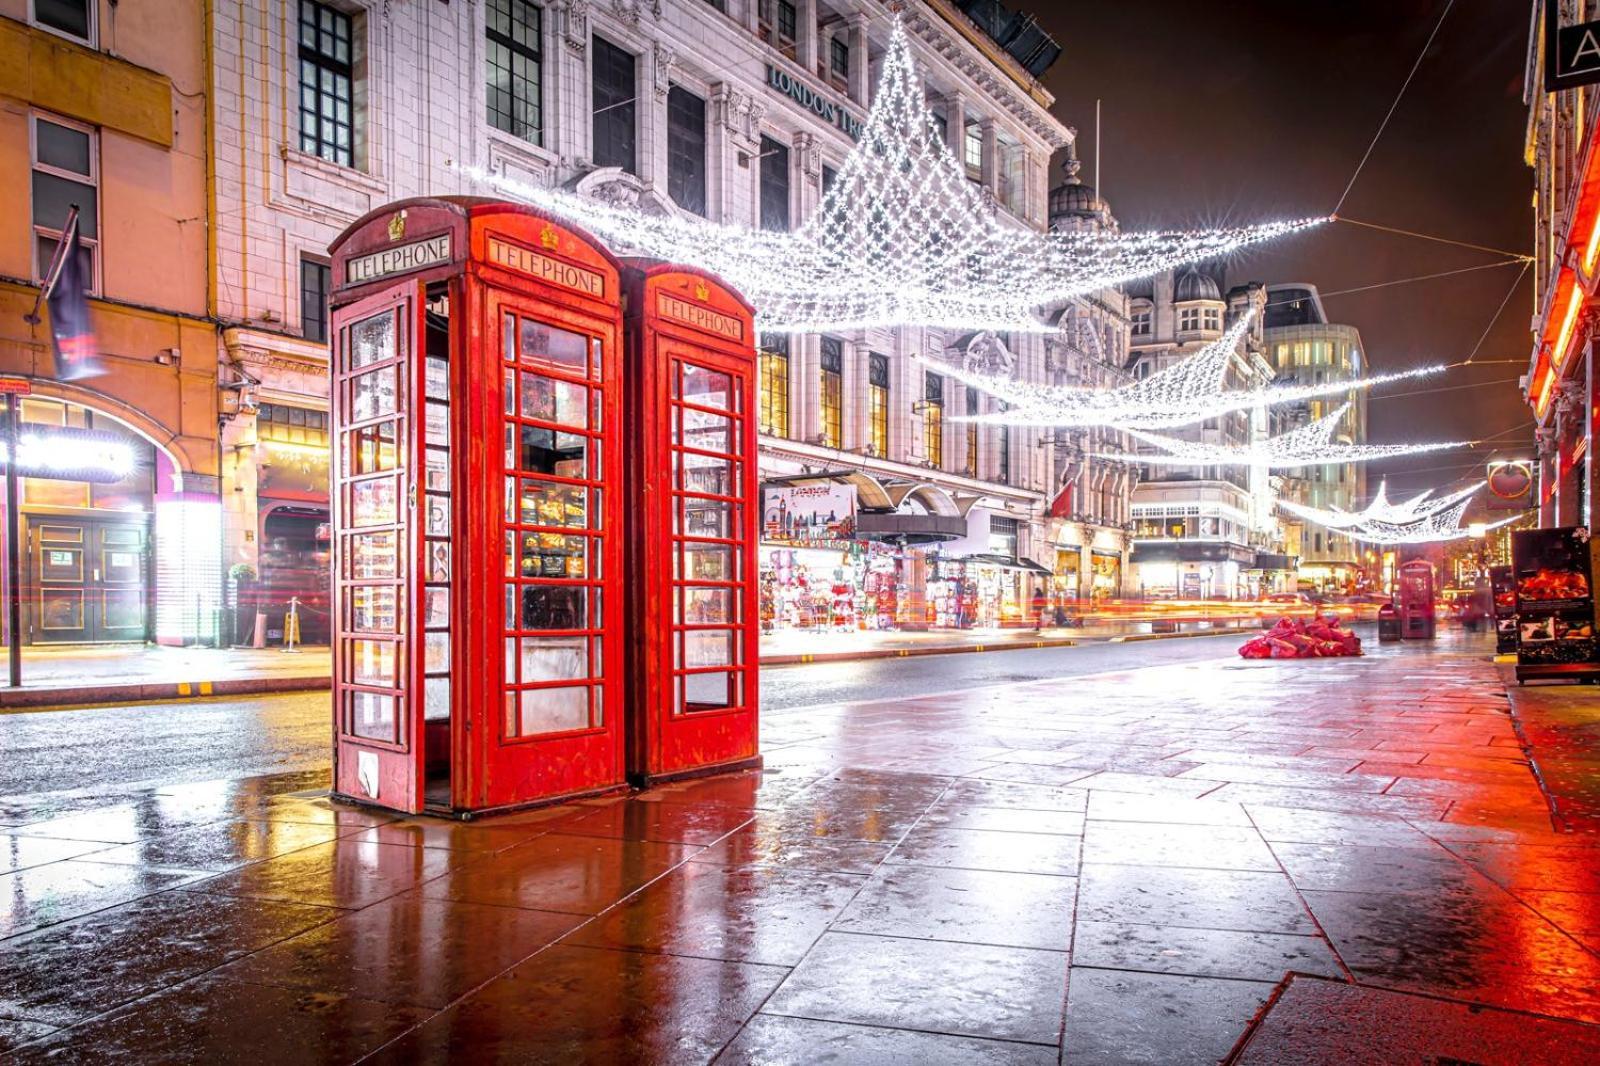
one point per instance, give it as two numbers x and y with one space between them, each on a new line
710 578
376 367
559 728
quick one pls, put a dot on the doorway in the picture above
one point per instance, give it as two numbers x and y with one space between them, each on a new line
88 580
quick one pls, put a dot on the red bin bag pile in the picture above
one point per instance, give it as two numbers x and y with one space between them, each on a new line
1299 638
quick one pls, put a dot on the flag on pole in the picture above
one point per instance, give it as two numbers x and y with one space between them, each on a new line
66 295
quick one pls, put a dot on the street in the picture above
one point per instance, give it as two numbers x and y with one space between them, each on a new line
1173 859
71 754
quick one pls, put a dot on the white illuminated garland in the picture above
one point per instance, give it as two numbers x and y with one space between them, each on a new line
1308 445
1419 520
1191 390
902 238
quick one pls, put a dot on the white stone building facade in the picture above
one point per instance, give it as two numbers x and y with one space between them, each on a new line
326 110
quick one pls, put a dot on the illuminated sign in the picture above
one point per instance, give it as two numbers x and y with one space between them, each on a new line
67 454
551 271
1510 479
702 318
401 259
806 97
1571 53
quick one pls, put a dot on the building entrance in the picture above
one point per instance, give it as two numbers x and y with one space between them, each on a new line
89 579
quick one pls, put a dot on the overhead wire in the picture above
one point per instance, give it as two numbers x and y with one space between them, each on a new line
1392 107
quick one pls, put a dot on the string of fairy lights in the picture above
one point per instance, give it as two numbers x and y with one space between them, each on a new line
1419 520
902 237
1191 390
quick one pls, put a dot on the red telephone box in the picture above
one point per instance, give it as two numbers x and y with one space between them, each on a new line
691 375
477 509
1414 598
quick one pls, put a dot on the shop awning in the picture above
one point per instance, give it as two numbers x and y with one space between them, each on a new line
899 528
1006 562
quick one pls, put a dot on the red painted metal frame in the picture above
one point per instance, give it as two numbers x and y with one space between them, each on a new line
399 761
562 278
664 742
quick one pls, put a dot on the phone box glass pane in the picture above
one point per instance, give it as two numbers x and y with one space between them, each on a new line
551 710
372 716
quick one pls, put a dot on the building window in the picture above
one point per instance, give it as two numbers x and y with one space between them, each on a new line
292 425
614 107
70 18
1002 459
686 149
1189 319
316 281
972 150
66 172
829 176
720 5
1213 318
515 102
878 404
1141 322
777 21
933 419
774 384
972 433
326 74
774 185
1010 179
839 59
832 398
1003 536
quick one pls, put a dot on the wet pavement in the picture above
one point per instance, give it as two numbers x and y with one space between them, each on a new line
64 758
1280 862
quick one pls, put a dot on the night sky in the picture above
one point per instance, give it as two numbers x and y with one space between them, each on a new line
1248 110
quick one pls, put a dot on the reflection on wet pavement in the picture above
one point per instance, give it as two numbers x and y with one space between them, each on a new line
1127 868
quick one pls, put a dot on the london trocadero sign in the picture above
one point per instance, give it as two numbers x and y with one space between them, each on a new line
812 101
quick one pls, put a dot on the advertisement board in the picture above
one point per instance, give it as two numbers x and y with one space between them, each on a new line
1503 588
808 514
1554 601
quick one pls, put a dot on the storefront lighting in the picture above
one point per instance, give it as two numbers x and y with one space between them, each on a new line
1591 251
1569 321
902 238
75 455
1309 445
1187 392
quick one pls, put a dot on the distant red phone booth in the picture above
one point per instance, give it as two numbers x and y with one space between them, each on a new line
691 372
1415 595
477 509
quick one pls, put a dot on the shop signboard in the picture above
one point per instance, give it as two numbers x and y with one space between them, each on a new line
1510 483
808 514
1504 590
1554 601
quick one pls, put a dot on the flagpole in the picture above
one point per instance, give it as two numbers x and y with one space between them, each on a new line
52 275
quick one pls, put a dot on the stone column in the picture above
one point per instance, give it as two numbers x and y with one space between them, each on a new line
806 35
860 62
652 82
955 112
991 154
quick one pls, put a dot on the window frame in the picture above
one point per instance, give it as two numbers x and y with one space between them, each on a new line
92 9
705 151
878 404
772 385
92 179
933 418
772 148
325 268
533 55
628 106
321 61
830 393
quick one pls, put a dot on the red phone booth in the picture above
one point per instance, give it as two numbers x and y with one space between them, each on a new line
1414 598
477 509
691 381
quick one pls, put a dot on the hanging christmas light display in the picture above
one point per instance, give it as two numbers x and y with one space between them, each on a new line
1309 445
1191 390
1419 520
902 238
